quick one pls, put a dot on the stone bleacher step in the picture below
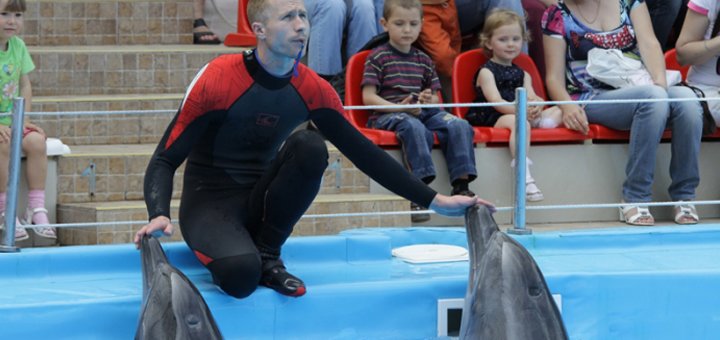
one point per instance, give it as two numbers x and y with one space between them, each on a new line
136 211
108 128
108 22
111 69
119 170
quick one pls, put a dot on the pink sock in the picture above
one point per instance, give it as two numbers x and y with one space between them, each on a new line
36 199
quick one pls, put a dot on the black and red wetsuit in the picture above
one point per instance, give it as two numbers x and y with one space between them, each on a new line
247 179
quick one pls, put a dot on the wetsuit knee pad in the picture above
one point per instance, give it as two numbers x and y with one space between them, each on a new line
238 275
310 152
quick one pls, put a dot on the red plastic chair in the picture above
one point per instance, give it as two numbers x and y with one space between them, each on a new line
353 97
244 36
671 63
463 91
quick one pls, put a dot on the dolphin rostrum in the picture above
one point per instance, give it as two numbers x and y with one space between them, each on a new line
507 297
172 307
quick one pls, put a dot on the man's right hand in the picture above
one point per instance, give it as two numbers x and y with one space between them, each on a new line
160 223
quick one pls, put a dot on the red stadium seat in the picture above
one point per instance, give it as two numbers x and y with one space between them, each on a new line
671 63
244 36
463 91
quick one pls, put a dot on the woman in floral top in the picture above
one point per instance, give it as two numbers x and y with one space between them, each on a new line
571 29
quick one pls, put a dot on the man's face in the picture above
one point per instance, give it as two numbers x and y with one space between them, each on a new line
286 29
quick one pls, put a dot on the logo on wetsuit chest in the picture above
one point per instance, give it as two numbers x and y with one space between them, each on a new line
267 120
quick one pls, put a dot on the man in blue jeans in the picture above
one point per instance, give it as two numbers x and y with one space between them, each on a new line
328 20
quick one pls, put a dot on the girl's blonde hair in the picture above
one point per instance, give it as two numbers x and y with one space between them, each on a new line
498 18
15 6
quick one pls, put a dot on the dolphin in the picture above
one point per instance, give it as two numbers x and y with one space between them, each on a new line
507 297
172 307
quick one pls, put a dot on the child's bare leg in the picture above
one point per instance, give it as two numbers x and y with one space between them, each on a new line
508 122
532 192
36 169
550 118
36 154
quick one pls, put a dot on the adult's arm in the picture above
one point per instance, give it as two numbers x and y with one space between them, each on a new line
573 115
370 159
382 168
691 46
650 49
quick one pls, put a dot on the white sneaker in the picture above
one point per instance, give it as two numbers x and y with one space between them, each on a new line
47 232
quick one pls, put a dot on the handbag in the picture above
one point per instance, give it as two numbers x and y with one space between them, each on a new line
709 126
613 68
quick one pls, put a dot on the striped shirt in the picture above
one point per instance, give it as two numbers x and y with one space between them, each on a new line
397 75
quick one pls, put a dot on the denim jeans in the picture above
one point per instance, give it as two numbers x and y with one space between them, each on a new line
328 19
416 136
646 122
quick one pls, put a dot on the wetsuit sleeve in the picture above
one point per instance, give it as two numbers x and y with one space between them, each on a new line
189 124
370 159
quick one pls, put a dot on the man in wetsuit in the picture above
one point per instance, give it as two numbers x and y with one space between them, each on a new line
248 177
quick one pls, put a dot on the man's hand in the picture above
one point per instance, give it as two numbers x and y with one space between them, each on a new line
457 205
160 223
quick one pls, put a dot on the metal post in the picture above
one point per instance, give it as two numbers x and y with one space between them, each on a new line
520 162
18 115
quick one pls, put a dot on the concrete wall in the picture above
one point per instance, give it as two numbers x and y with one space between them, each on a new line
573 174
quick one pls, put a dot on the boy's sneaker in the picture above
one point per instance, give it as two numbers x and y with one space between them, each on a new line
417 218
463 192
31 218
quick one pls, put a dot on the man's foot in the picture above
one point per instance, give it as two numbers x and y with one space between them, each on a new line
202 35
417 218
276 277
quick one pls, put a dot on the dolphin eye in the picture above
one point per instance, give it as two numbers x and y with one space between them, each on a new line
534 291
192 321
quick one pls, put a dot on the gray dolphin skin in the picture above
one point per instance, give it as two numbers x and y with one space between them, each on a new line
507 297
172 307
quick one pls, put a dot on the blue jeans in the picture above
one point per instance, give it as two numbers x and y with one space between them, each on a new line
328 19
416 136
646 122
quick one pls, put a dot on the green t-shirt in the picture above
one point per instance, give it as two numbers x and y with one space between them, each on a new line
14 63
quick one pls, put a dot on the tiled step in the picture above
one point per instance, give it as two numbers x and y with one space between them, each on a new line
124 69
108 22
135 211
120 169
106 129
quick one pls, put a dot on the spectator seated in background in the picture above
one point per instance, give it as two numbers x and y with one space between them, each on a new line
572 28
398 73
328 19
699 46
502 38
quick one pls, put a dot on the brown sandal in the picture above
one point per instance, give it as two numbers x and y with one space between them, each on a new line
200 38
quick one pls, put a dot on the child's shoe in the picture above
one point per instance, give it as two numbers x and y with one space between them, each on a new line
532 192
418 218
39 216
20 232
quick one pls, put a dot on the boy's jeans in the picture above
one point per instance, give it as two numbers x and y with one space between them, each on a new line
416 136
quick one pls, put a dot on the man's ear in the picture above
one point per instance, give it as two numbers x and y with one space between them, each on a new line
258 29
